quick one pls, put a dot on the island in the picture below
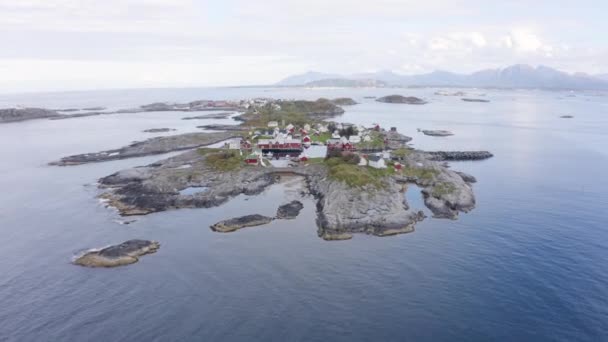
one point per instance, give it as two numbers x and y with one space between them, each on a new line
158 130
125 253
23 114
412 100
436 133
358 186
474 100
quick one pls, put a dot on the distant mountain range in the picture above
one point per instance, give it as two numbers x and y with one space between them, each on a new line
516 76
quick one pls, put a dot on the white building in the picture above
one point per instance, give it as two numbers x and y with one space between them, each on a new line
335 135
376 161
307 127
354 139
273 124
234 144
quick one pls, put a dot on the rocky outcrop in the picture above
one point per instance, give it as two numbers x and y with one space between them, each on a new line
118 255
237 223
567 116
343 210
157 145
475 100
23 114
156 187
290 210
344 101
209 116
401 99
395 140
437 133
158 130
458 155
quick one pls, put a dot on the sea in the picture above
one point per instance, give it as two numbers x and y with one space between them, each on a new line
529 263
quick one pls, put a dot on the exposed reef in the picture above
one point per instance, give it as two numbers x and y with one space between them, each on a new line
475 100
237 223
401 99
290 210
158 130
436 133
125 253
459 155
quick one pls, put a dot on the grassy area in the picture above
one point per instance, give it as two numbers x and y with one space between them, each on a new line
420 173
442 189
376 142
347 171
321 138
294 112
224 160
319 160
401 153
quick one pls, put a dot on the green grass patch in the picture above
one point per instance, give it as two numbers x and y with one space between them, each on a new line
321 138
376 142
401 153
225 160
420 173
442 189
356 176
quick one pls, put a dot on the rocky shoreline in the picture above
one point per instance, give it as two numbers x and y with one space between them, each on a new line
342 210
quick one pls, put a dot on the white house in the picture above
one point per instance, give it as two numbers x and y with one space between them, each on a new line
322 128
273 124
376 161
234 144
289 127
307 127
335 135
367 138
354 139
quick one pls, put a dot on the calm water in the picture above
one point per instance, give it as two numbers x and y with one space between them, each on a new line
530 263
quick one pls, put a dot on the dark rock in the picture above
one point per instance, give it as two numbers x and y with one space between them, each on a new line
158 130
237 223
437 133
567 116
459 155
290 210
475 100
126 253
401 99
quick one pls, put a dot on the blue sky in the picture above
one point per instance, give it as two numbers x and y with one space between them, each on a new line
88 44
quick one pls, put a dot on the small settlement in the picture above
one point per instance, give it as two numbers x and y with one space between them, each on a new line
280 141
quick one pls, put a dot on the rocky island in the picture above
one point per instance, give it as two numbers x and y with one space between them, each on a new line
436 133
358 187
402 99
125 253
474 100
23 114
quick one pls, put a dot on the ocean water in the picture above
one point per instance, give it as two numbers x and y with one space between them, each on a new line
530 263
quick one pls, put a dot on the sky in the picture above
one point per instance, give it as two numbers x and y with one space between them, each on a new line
95 44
